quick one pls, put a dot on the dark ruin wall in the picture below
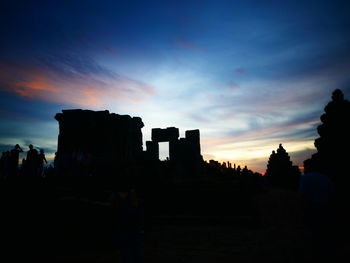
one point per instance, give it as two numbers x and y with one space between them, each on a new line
106 138
180 149
101 143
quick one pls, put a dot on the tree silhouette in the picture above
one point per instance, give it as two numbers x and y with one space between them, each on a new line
280 170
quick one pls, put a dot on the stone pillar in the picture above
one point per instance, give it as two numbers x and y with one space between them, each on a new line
152 149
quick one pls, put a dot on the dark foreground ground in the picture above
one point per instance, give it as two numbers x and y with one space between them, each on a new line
222 222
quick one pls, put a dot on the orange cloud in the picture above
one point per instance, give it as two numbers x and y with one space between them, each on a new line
89 97
87 90
31 88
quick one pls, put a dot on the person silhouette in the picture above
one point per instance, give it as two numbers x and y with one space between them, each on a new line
41 159
24 169
32 160
317 192
3 164
14 159
128 225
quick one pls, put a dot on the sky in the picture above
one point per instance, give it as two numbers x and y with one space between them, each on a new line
248 74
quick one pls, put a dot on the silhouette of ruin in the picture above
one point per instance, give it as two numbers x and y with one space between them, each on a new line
334 142
180 149
184 190
101 140
332 157
280 170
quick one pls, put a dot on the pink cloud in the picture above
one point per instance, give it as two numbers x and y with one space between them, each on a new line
36 84
80 90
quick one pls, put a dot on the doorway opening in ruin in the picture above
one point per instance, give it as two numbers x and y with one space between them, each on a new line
163 151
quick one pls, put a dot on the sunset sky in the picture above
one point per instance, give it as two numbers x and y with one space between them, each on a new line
248 74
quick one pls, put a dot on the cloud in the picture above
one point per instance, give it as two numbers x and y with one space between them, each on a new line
6 147
208 156
195 117
233 86
33 85
109 50
269 131
248 138
240 71
73 83
255 152
187 45
7 114
72 63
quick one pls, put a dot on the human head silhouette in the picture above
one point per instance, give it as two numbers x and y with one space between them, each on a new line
30 146
314 165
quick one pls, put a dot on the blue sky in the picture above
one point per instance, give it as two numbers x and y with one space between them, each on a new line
248 74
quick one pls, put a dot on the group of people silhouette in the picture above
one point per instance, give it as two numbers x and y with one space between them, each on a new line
32 165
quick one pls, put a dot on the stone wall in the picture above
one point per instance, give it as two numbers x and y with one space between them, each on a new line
103 139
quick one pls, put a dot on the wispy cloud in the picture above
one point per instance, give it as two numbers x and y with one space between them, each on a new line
195 117
7 114
254 120
267 132
109 50
240 71
34 85
249 79
187 45
80 84
233 86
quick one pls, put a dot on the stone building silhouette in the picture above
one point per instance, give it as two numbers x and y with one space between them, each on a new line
108 139
180 149
332 158
280 170
111 140
334 141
